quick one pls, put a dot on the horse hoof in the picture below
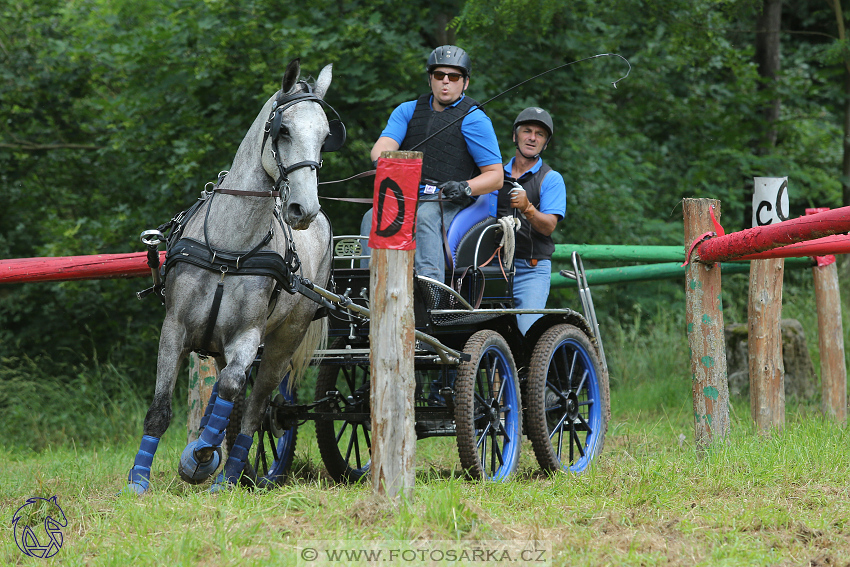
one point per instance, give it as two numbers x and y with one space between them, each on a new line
134 488
221 484
193 471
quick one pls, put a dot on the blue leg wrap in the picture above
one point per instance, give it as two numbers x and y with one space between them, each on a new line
140 475
235 463
209 409
191 469
213 433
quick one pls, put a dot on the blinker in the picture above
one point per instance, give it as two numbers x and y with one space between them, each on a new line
336 136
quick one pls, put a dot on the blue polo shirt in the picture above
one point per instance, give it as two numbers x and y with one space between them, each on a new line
553 190
476 127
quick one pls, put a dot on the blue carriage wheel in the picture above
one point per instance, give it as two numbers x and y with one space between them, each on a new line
568 400
343 424
488 408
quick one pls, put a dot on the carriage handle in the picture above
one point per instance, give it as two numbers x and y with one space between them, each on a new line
586 300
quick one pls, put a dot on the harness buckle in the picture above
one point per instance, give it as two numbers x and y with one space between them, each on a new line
223 269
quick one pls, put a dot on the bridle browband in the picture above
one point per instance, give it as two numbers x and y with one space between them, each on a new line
271 130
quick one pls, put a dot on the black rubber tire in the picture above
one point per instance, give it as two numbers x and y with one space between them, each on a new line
488 408
568 398
346 447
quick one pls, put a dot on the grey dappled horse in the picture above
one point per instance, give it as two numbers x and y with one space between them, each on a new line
237 218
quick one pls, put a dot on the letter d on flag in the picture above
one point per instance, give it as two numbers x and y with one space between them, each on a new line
394 203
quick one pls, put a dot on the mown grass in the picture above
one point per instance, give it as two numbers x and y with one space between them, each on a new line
651 498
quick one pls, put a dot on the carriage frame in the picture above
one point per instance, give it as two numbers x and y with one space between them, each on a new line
477 377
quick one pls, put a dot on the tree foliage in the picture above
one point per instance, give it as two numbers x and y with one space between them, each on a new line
116 113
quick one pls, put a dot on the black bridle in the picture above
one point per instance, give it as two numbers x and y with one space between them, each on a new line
271 131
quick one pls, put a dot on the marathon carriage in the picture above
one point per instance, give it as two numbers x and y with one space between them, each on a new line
237 277
477 377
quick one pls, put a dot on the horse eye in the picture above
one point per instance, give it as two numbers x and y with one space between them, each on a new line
284 131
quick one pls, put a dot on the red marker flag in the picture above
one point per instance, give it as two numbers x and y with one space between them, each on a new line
394 204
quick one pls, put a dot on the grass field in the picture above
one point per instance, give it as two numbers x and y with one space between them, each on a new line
650 499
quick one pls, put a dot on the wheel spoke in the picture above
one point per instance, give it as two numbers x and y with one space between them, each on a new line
482 449
354 444
273 447
496 455
562 354
579 444
582 383
341 431
348 379
560 431
585 424
482 435
263 453
559 426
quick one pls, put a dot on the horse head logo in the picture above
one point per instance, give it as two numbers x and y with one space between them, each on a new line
33 541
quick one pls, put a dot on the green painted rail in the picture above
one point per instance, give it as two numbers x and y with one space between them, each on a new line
619 253
624 274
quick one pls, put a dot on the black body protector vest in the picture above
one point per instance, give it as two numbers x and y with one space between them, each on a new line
530 244
446 156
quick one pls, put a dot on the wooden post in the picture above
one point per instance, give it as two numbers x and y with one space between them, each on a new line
764 343
833 369
391 336
831 342
202 377
704 318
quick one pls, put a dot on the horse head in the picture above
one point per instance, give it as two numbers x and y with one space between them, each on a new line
296 132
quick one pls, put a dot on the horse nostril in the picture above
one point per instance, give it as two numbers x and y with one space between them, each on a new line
295 211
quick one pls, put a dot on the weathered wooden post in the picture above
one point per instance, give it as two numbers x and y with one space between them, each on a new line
764 312
764 343
704 318
833 369
202 377
391 323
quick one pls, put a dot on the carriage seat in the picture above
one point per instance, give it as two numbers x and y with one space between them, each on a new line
463 238
464 222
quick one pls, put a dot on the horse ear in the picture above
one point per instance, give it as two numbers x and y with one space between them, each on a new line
290 76
324 81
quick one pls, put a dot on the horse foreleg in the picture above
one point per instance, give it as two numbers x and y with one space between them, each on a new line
265 382
201 458
159 414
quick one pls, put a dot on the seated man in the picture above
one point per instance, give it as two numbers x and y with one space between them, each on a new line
541 198
461 154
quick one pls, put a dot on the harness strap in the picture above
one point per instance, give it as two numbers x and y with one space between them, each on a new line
216 304
268 193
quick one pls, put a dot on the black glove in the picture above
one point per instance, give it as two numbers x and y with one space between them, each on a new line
458 192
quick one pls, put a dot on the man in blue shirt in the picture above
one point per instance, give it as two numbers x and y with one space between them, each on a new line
540 195
461 160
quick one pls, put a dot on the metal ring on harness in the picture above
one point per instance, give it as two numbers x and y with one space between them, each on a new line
152 238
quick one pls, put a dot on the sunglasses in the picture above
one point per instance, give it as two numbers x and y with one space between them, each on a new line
453 77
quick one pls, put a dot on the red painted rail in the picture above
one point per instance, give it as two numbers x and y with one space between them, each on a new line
94 267
753 241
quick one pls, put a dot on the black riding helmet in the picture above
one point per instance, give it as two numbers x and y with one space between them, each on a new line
538 116
449 55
